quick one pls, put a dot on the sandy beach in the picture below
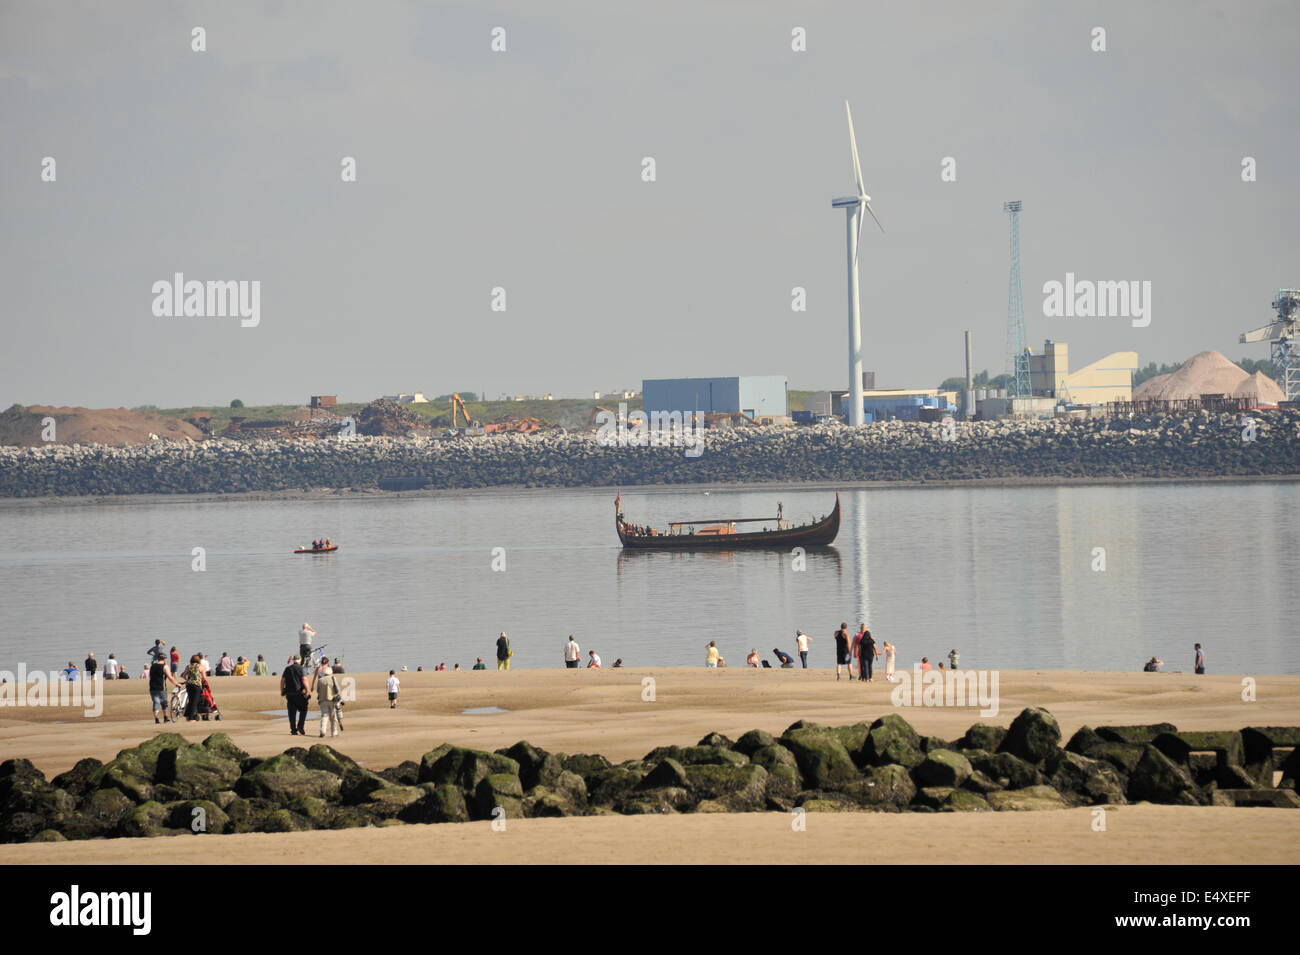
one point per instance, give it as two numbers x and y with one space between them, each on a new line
604 712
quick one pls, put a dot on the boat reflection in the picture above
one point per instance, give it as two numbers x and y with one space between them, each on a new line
823 559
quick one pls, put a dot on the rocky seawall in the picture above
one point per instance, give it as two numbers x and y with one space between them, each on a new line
169 786
1260 443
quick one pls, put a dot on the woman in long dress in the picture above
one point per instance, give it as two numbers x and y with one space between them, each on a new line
890 651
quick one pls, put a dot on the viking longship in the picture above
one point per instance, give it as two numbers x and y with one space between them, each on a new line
727 533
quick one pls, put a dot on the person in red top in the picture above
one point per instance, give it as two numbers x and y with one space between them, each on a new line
176 660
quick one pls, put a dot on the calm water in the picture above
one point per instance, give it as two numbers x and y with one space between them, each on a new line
1004 574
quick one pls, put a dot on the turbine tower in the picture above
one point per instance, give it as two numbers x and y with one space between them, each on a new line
1016 343
853 206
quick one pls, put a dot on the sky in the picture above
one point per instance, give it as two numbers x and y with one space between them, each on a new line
523 170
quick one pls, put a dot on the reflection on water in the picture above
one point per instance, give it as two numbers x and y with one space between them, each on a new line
1007 575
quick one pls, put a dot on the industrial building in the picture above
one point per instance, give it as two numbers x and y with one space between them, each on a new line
1107 379
757 397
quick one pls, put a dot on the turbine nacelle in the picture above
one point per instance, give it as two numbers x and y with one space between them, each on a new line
845 201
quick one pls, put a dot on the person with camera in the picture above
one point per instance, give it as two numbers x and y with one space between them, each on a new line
328 696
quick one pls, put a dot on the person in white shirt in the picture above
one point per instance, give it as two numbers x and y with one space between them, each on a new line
572 653
304 640
205 664
802 639
392 683
111 668
594 662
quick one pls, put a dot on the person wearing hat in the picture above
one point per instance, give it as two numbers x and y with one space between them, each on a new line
802 639
504 653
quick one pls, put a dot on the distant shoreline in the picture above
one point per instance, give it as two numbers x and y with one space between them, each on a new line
332 494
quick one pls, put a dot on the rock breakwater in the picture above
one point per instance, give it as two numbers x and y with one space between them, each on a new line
169 786
1153 446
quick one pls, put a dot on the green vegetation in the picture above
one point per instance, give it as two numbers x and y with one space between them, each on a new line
236 403
981 379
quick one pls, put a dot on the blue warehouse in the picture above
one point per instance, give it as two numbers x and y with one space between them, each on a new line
755 396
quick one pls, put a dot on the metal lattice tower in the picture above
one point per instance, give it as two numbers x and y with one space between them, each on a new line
1017 345
1283 337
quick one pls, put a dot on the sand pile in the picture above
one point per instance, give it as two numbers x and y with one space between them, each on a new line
1210 373
116 426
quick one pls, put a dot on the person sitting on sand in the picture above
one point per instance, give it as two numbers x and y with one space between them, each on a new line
440 667
479 664
925 664
456 668
618 663
1153 665
594 662
752 659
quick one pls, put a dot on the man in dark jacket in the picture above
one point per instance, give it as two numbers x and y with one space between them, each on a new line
293 687
866 655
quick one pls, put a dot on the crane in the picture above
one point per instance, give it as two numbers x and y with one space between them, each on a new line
456 402
1283 337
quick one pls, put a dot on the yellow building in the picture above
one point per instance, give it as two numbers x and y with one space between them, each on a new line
1107 379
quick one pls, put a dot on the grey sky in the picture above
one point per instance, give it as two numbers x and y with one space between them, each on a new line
523 170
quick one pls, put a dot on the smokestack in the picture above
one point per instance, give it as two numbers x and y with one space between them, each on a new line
970 381
968 397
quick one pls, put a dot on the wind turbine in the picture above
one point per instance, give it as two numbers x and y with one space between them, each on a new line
853 206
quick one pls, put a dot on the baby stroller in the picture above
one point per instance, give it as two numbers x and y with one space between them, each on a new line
208 705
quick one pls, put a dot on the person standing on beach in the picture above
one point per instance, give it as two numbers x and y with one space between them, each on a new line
802 640
176 661
711 655
572 653
91 666
853 648
842 657
504 653
304 640
260 668
867 654
111 667
293 687
890 652
328 698
952 659
393 684
157 649
1200 659
158 680
193 687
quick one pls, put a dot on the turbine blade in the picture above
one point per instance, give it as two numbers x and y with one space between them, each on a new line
873 215
853 145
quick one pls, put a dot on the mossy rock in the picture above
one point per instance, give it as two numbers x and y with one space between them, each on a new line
783 786
942 767
405 773
282 820
356 785
536 766
467 768
431 759
753 741
932 797
440 803
669 799
892 741
48 835
1086 782
668 772
1084 739
817 801
977 782
1033 735
983 736
146 820
29 804
612 784
328 759
1010 772
852 737
99 814
1227 746
127 773
696 756
1157 778
499 795
314 809
1029 798
223 745
391 801
1141 734
739 788
711 805
78 780
963 800
283 779
716 739
147 752
586 764
211 818
888 787
1123 756
823 761
194 772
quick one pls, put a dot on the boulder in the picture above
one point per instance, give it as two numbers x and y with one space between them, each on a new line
1227 746
466 767
430 759
246 815
977 782
48 835
668 772
1033 735
1086 782
1157 778
697 756
585 764
357 784
932 797
1123 756
1008 771
195 771
852 737
127 773
146 820
204 814
536 766
223 745
716 739
282 779
440 803
390 802
983 736
1140 735
608 786
282 820
942 767
78 780
822 759
1290 771
753 741
329 760
98 815
813 800
567 797
963 800
147 752
1084 739
405 773
888 787
739 788
892 740
1272 798
29 804
669 799
498 796
1260 743
314 809
1029 798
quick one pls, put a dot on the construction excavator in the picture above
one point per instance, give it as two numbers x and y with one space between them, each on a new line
458 404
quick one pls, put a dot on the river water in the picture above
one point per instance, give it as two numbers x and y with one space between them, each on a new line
1012 577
